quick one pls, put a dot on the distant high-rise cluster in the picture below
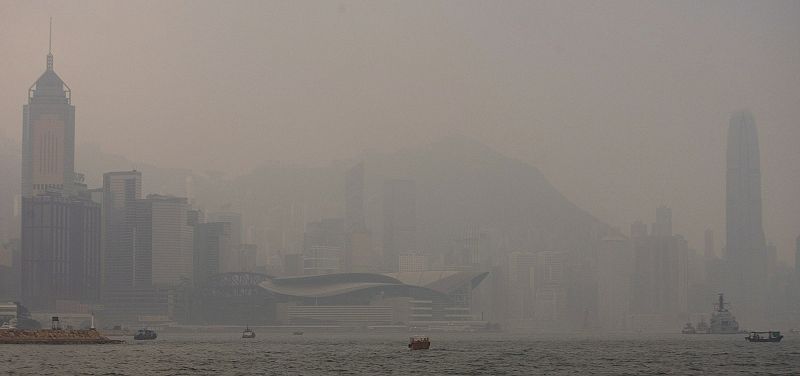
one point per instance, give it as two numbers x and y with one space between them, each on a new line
108 248
660 267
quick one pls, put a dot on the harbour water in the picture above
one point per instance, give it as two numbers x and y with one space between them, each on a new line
387 354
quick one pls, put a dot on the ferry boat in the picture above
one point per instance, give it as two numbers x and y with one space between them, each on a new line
145 334
688 329
419 343
248 333
773 336
722 320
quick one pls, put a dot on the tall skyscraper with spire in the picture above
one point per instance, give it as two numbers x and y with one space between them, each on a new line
48 135
745 246
60 226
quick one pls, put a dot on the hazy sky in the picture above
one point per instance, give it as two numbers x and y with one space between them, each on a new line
623 105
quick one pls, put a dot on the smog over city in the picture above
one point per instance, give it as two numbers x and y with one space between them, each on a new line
326 187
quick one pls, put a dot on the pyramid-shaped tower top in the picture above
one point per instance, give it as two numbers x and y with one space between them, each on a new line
49 88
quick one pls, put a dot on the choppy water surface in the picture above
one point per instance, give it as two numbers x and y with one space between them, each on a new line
385 354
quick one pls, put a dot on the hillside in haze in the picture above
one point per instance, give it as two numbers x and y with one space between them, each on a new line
461 183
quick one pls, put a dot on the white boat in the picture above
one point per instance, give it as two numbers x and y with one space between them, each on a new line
248 333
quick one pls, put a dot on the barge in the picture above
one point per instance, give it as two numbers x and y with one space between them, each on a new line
54 337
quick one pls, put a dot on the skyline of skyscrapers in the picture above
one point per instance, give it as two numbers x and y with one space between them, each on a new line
144 249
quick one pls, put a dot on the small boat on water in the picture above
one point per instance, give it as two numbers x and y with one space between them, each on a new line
145 334
297 333
688 329
419 343
772 336
248 333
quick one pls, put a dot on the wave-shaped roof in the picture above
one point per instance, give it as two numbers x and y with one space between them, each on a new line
444 281
329 285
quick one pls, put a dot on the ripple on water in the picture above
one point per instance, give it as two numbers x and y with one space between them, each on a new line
451 354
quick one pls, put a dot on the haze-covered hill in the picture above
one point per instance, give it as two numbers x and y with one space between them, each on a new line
461 183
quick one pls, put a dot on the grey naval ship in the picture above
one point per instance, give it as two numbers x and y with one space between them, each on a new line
722 321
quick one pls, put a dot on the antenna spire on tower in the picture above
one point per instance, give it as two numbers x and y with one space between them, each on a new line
50 47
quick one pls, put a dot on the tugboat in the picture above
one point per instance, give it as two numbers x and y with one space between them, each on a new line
688 329
419 343
722 321
145 335
248 333
764 337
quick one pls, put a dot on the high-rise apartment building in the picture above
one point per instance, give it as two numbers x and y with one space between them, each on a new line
660 272
797 254
235 219
323 247
163 242
614 268
399 220
521 268
413 261
212 244
550 286
355 217
663 224
120 190
709 252
60 250
361 255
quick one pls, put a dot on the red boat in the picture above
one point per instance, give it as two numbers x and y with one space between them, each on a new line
419 343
